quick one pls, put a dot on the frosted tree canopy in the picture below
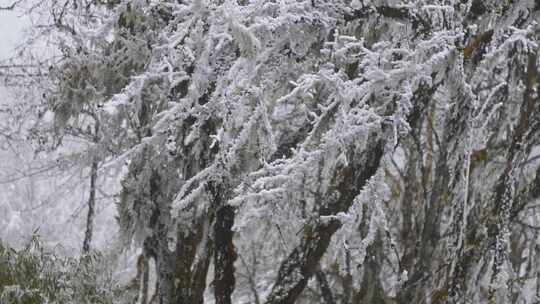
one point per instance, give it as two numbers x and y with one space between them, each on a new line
292 151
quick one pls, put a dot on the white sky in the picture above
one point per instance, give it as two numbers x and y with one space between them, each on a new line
12 25
12 32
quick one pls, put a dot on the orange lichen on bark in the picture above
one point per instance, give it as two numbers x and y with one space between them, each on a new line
480 39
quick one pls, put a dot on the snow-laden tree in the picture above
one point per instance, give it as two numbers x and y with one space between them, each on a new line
91 69
313 151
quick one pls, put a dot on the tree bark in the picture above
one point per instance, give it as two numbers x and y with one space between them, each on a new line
326 292
92 196
224 255
201 265
186 249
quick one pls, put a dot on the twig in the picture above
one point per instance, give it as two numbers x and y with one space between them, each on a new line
11 6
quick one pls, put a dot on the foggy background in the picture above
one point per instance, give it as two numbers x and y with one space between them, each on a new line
52 203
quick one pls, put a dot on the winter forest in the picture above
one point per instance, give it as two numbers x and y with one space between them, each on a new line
270 152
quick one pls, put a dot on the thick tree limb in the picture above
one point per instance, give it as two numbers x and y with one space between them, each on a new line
302 262
326 291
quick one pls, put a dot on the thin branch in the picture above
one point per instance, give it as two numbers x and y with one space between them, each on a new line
526 225
11 7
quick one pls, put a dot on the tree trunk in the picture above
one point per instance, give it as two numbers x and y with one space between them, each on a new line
92 197
224 255
186 249
201 265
